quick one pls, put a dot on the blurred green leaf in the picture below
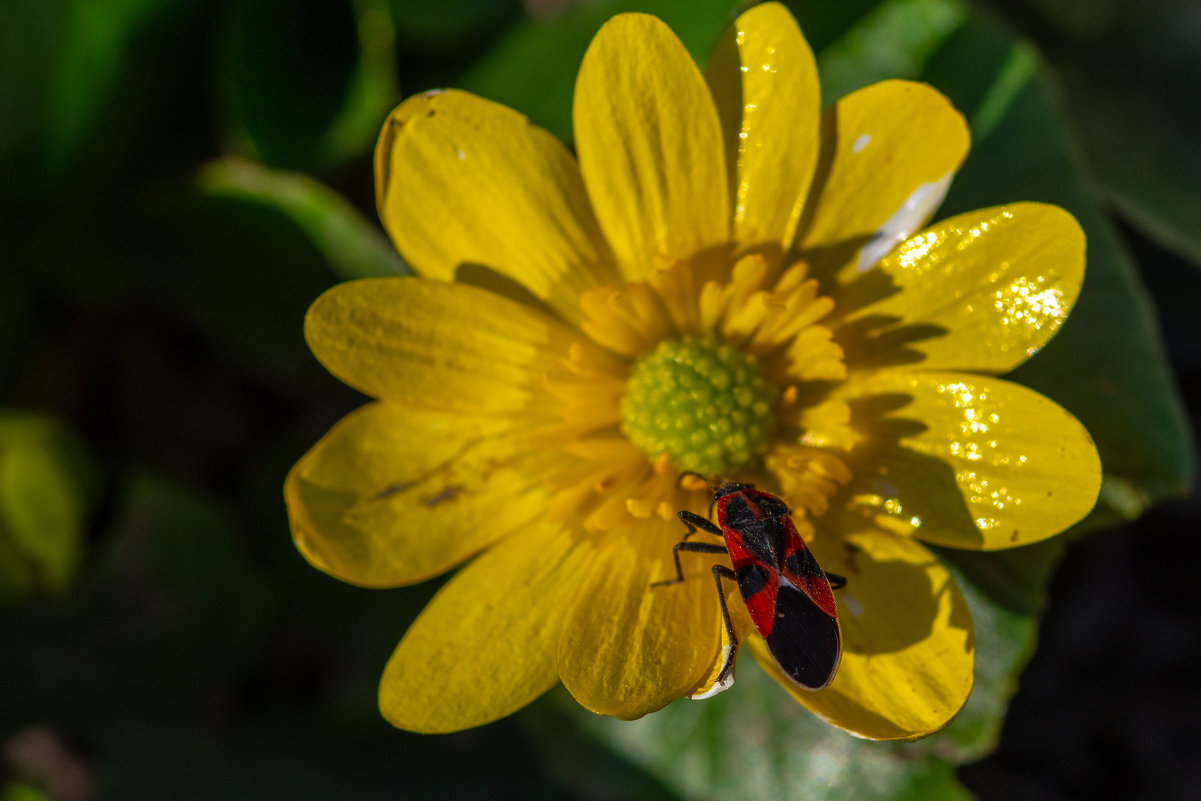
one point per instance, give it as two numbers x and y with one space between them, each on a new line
95 44
754 742
533 69
1006 591
84 87
29 30
353 246
167 612
232 263
52 102
436 27
1129 73
46 482
306 87
824 22
1107 365
22 791
373 89
894 40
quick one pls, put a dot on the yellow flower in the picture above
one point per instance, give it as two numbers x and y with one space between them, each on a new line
726 279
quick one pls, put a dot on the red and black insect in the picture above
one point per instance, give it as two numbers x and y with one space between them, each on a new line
788 596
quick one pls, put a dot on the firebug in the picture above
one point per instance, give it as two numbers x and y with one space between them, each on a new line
789 597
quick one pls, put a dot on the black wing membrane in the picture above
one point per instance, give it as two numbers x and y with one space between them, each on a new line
805 641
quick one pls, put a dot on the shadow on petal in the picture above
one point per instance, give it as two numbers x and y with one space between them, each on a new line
908 644
879 341
489 278
899 488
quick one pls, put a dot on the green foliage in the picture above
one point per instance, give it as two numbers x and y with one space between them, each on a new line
47 484
353 247
22 791
1128 73
751 743
305 86
1107 366
894 40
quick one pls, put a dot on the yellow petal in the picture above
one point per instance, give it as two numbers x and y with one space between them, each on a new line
968 461
393 495
764 81
485 645
629 648
981 291
889 152
650 145
464 181
908 650
433 344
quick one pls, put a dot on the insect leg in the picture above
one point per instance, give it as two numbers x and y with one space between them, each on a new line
837 582
691 547
720 572
694 521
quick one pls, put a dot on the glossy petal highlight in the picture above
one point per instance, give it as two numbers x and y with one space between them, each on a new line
650 146
462 181
907 647
764 81
982 291
967 461
394 495
485 646
435 345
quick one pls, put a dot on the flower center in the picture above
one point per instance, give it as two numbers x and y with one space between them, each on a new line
706 404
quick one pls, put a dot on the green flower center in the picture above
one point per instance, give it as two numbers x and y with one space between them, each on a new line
706 404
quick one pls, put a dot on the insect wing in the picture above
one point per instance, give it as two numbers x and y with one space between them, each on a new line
805 642
757 582
805 639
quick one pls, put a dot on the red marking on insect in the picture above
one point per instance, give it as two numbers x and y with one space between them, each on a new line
790 599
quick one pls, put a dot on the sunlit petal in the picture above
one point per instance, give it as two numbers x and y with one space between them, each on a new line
485 645
395 494
650 145
982 291
764 81
967 461
463 182
433 344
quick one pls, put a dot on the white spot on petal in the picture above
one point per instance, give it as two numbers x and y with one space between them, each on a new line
914 212
861 142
